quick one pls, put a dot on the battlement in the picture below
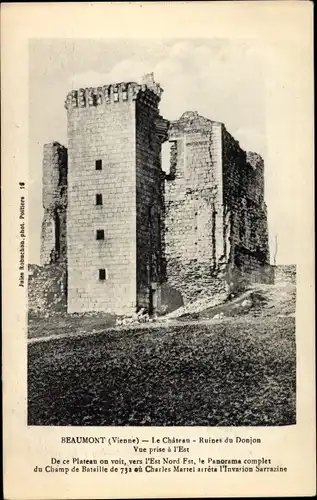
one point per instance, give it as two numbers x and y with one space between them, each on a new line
148 92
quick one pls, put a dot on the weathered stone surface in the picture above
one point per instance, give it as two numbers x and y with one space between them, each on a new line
47 289
194 218
123 129
163 240
285 274
216 219
53 238
151 131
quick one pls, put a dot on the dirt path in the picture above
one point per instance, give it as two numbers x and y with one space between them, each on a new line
138 326
144 326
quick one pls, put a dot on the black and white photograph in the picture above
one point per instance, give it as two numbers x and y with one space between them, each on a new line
161 261
158 250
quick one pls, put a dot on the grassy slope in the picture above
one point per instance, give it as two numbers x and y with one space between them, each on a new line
68 323
238 372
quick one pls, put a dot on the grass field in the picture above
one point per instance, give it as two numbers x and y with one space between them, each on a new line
239 372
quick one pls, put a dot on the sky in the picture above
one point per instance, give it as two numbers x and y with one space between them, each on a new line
224 80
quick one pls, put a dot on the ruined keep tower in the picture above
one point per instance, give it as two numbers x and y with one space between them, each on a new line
115 211
54 195
216 218
122 228
195 244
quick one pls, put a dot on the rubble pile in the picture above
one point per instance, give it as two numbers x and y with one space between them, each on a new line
139 317
199 305
47 289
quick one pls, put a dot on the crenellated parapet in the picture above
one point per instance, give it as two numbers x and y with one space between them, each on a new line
148 93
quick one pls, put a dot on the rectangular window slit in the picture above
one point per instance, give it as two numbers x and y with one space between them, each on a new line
98 164
100 234
103 274
98 199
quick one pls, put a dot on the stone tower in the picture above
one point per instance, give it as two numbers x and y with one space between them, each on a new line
115 212
53 238
216 217
195 246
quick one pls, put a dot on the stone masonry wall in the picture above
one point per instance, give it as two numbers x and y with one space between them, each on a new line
47 289
151 131
101 127
195 245
133 231
285 274
54 195
118 127
245 211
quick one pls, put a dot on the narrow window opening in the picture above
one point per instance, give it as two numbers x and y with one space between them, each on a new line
100 234
103 275
98 199
98 164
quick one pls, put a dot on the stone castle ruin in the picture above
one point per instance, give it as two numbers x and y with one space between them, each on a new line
130 235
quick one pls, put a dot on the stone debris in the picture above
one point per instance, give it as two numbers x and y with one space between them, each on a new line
199 305
141 317
246 303
46 289
218 316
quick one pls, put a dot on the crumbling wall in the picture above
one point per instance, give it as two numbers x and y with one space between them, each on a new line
151 131
285 274
246 213
54 195
127 230
195 245
47 289
216 221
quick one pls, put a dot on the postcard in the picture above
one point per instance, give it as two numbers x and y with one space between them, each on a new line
158 268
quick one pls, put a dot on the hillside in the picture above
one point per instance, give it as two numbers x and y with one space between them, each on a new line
237 372
258 300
